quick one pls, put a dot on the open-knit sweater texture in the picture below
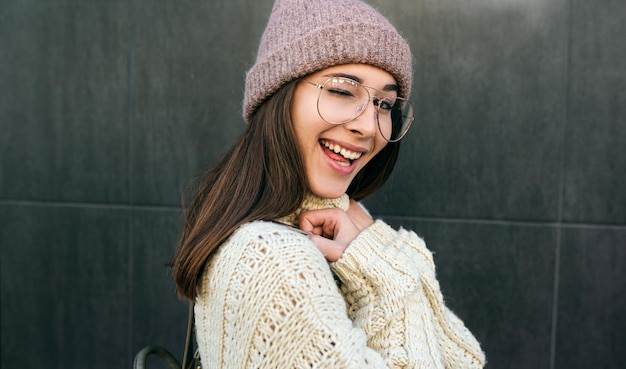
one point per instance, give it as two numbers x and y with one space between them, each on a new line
269 299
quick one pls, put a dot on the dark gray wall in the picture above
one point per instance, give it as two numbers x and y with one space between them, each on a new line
513 173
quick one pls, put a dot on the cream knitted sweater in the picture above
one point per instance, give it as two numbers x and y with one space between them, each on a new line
269 299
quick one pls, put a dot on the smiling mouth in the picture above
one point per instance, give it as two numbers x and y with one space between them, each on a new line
349 155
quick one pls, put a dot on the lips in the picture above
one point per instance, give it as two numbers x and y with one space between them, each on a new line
342 151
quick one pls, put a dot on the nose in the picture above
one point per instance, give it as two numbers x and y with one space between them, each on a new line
366 124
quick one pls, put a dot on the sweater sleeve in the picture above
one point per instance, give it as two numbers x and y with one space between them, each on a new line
389 283
269 300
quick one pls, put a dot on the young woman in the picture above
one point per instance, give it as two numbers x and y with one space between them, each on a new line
286 268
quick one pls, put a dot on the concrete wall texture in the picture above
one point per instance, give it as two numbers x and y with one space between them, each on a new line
513 173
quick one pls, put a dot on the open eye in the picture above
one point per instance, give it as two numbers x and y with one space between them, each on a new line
384 104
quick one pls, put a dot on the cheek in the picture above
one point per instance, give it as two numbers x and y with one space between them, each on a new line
380 144
385 129
303 114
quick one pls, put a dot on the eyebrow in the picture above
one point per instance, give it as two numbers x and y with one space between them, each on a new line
389 87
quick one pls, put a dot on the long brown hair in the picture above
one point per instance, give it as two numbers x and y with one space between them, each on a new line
263 165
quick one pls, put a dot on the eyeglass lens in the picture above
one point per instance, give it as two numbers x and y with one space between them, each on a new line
342 100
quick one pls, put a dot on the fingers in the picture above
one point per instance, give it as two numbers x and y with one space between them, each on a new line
334 224
320 222
331 250
331 230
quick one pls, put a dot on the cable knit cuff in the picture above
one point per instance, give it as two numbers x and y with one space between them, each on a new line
378 253
364 251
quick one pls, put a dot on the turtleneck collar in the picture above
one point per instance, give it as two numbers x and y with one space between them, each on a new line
314 202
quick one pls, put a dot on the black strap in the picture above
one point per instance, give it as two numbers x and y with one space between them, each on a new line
188 356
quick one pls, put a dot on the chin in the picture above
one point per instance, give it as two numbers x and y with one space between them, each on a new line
329 193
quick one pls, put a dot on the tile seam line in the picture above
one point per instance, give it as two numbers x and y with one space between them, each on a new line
506 222
130 314
561 194
502 222
90 205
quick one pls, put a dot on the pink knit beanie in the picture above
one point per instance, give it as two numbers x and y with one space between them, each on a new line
304 36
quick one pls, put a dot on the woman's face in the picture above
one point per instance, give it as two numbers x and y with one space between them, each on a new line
334 153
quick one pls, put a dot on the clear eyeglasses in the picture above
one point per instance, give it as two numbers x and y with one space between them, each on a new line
342 100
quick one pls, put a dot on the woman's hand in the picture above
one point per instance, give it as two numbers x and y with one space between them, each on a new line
332 230
359 216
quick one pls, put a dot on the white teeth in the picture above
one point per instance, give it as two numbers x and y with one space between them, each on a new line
348 154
